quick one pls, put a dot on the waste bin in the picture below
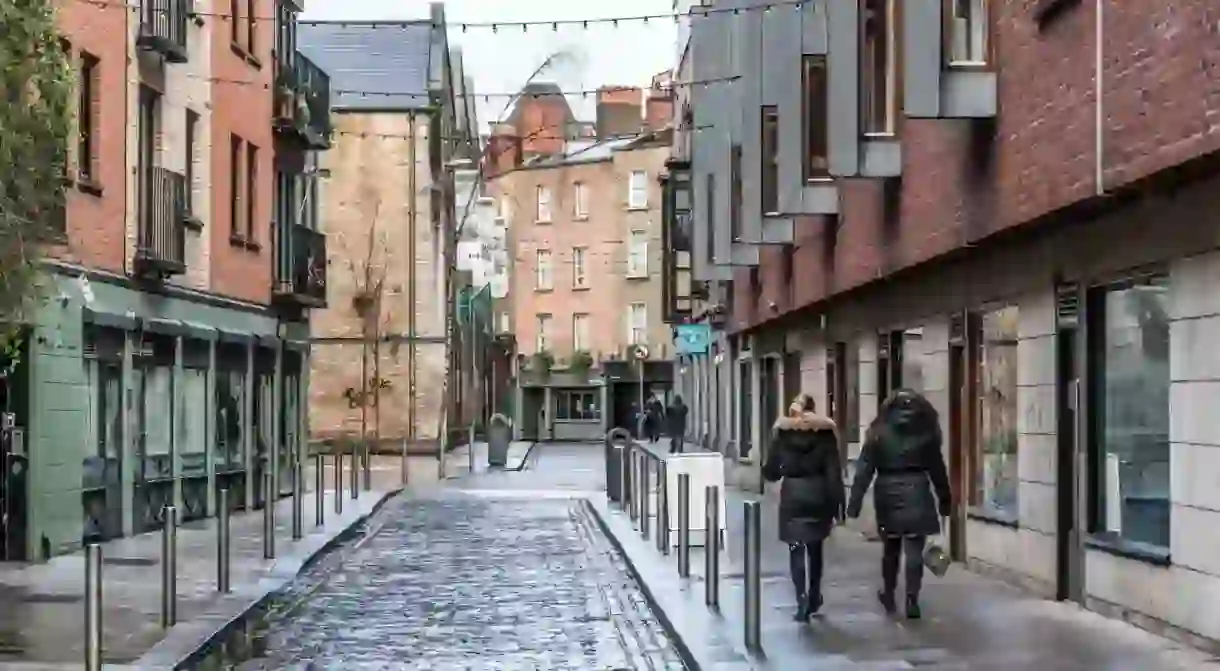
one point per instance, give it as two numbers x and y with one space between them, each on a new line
499 436
614 462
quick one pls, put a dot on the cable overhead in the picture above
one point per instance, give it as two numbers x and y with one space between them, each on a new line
497 26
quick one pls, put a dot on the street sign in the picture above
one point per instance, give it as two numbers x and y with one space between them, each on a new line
641 352
692 338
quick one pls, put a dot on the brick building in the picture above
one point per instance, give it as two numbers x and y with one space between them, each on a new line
1008 207
383 365
167 360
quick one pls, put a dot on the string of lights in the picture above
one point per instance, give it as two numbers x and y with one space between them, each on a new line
522 26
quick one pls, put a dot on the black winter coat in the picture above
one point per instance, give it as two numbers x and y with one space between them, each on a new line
675 420
805 455
908 466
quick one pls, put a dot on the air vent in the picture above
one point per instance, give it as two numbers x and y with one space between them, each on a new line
1067 304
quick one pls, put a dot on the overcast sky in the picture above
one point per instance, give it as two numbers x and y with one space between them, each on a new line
501 61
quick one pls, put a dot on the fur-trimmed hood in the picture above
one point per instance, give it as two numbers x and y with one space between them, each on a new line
806 421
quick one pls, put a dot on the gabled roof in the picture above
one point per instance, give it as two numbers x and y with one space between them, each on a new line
376 57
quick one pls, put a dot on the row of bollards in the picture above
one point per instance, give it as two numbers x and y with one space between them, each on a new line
636 500
169 546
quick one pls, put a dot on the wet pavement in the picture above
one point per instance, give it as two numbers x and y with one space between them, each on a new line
474 580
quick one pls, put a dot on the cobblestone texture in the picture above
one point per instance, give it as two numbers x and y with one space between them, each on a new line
470 582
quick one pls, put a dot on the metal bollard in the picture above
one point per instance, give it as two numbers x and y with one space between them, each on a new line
617 454
368 468
93 607
624 464
711 546
268 516
338 482
319 490
222 544
683 525
169 566
753 600
663 507
645 508
298 491
633 460
355 474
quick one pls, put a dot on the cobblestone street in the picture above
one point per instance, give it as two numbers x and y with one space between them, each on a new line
468 581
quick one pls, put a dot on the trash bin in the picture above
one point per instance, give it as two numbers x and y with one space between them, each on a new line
499 436
614 463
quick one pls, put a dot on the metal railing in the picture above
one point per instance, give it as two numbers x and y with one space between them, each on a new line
300 264
638 483
163 26
161 239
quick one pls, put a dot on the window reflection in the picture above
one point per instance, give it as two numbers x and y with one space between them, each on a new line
1131 383
577 405
996 449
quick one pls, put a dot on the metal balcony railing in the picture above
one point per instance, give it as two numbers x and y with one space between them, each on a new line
163 26
304 106
300 263
161 241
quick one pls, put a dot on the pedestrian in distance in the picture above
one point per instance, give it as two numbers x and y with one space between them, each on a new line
902 451
675 424
804 457
654 417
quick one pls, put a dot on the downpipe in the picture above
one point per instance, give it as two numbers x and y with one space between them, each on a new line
1099 115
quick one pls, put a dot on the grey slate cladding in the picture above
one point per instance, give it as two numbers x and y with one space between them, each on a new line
386 57
763 48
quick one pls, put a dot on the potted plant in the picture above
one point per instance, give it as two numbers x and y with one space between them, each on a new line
581 362
542 362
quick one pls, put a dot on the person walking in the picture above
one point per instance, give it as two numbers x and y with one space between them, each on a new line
675 424
902 450
654 416
805 456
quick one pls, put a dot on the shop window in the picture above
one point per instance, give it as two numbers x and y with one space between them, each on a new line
850 414
995 458
1128 403
912 359
577 405
230 408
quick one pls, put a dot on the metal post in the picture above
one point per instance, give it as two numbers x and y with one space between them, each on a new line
368 467
222 544
663 507
298 491
683 525
645 508
406 478
711 546
339 481
319 490
355 473
93 607
268 517
169 566
753 600
617 452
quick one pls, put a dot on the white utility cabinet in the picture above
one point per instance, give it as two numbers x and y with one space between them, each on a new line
704 469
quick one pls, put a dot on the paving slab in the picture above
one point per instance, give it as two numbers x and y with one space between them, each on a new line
970 622
43 621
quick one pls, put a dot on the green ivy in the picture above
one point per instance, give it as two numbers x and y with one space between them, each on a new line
36 90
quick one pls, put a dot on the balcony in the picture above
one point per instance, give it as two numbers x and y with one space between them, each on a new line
163 28
161 238
302 102
300 267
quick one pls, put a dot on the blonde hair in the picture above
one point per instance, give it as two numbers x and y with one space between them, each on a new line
801 404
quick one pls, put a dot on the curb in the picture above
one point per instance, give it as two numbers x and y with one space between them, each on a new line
529 452
165 655
684 650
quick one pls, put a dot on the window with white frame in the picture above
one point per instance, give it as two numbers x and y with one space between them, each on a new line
580 332
637 190
543 278
637 324
505 322
580 201
544 333
580 279
543 197
637 254
968 32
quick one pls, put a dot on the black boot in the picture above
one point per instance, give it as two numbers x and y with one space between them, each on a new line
887 601
802 608
913 612
813 604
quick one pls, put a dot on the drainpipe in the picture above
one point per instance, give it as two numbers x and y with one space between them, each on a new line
1099 119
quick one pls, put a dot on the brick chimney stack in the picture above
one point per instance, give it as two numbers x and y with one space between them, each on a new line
659 106
620 111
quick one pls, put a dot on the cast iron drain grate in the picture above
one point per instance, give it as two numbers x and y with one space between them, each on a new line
129 561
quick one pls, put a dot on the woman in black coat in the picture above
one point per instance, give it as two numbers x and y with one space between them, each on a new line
902 449
805 455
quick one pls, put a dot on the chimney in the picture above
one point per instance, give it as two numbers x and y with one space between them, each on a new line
503 150
620 111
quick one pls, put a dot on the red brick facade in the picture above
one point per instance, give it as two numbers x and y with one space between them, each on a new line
964 181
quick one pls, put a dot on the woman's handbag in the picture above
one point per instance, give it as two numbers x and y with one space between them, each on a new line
935 556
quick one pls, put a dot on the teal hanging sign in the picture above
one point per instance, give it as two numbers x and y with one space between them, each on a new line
693 338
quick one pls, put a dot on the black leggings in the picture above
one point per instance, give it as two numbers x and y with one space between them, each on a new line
912 547
806 582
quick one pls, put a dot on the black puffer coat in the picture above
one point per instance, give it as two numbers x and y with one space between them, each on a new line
902 450
805 454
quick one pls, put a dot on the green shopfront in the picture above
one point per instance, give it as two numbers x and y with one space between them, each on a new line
131 400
